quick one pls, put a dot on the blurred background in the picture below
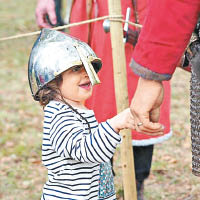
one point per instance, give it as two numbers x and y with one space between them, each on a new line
21 172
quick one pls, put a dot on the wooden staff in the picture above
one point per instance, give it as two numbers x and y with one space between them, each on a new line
121 93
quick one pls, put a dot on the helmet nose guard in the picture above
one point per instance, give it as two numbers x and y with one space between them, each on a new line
55 52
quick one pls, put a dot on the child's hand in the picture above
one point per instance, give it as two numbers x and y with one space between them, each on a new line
122 120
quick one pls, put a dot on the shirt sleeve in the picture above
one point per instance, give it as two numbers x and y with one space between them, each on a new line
69 139
165 34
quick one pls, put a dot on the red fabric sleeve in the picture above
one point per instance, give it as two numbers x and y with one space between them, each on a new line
165 34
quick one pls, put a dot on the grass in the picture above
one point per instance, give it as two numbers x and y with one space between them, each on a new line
21 173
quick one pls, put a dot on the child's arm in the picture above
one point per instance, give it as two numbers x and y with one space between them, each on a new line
69 139
122 120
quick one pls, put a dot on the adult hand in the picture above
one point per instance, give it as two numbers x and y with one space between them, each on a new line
43 8
145 106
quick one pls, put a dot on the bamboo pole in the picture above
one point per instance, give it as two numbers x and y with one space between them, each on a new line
121 93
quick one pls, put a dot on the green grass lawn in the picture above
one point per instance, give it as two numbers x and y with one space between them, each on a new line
21 173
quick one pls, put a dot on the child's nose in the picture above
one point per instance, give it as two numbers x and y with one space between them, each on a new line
84 72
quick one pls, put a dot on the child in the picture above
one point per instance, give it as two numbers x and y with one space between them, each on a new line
76 150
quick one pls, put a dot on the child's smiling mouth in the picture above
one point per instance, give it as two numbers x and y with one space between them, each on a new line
86 85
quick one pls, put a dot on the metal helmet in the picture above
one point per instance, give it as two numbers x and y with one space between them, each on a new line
55 52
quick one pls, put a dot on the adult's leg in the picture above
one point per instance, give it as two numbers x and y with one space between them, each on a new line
142 159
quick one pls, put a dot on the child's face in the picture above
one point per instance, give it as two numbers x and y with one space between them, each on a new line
76 86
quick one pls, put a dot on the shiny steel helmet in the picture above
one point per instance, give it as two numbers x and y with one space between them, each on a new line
55 52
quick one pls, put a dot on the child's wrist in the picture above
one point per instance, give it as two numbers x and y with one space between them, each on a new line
112 124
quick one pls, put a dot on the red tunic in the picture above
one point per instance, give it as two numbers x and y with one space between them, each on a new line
103 98
166 33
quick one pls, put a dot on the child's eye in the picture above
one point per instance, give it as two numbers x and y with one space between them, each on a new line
76 68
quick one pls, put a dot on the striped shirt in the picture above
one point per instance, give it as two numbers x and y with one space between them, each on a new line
73 155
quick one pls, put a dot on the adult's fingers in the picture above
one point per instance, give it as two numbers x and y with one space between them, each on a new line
145 106
144 125
148 131
41 18
154 115
44 8
52 13
147 128
43 24
152 122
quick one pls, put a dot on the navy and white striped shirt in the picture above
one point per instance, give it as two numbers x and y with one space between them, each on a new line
73 155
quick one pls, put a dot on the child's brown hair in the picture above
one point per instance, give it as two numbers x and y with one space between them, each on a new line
50 91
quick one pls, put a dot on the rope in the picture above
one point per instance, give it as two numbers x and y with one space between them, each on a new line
110 17
129 22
